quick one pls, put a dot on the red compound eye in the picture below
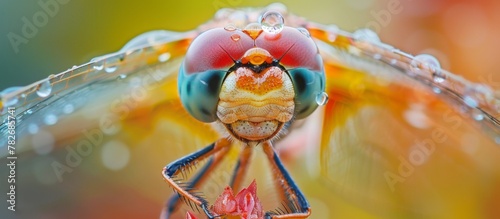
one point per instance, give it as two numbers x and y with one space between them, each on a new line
294 47
215 49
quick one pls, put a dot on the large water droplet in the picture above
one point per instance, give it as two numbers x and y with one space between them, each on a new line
322 98
44 89
304 31
430 63
366 35
272 22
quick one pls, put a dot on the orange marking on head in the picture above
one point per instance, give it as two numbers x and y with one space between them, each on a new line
256 56
259 83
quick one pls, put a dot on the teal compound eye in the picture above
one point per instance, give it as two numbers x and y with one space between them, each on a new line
297 52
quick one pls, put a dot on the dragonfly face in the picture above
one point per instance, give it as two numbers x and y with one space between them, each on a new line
251 81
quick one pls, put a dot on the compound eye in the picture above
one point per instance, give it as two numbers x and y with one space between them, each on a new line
293 47
216 49
298 53
205 65
307 86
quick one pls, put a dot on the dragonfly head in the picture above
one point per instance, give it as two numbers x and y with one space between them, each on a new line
252 82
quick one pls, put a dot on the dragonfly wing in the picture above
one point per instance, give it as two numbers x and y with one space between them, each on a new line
120 111
397 147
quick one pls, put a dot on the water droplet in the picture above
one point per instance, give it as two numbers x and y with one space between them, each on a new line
10 101
304 31
477 115
322 98
69 108
430 63
164 57
98 65
366 35
436 90
230 27
29 111
44 89
50 119
394 61
112 64
122 76
235 37
111 68
377 56
438 77
272 22
470 101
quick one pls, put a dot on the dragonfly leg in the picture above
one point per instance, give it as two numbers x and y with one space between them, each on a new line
241 168
172 170
297 206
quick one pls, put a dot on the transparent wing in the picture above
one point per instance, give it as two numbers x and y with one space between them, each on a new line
91 141
403 140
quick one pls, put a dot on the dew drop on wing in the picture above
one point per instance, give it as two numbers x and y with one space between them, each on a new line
44 89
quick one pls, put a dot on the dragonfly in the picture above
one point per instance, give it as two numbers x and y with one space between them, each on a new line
376 133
